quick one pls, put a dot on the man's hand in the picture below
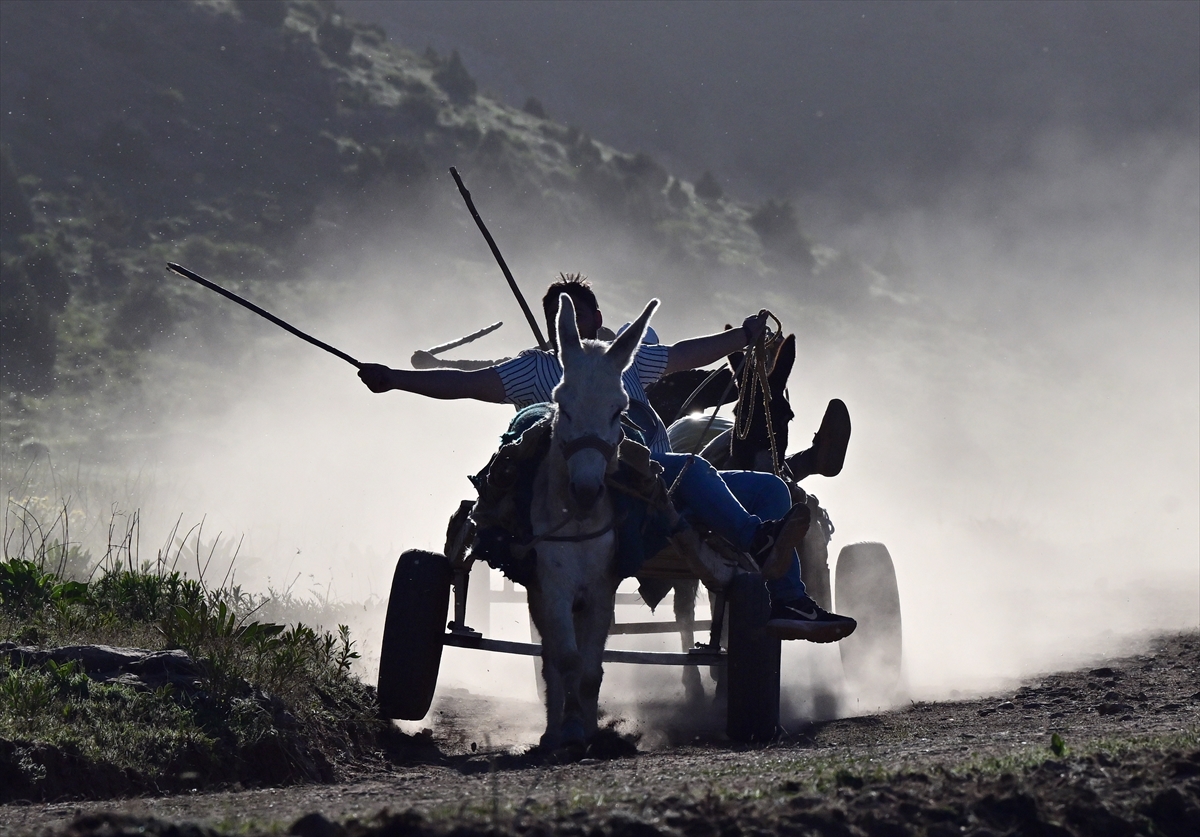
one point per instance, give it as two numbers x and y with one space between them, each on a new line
424 360
480 384
376 376
754 326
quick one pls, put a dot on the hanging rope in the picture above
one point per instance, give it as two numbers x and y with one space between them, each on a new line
753 381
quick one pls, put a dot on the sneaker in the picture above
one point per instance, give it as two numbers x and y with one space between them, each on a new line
828 451
803 618
776 540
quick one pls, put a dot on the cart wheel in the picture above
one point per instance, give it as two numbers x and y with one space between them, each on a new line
866 590
412 634
753 669
814 563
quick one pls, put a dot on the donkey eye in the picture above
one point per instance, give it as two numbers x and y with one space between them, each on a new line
563 412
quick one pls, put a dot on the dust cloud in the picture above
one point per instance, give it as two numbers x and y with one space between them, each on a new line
1022 371
1025 436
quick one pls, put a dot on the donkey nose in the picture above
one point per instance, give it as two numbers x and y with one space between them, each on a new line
586 495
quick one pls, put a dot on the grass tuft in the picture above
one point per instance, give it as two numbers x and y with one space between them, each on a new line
247 701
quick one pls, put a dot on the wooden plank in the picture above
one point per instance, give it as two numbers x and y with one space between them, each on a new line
656 627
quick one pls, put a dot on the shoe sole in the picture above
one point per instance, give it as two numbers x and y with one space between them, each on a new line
832 439
789 539
820 632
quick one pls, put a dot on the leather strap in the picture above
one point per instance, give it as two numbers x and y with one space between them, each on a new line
585 442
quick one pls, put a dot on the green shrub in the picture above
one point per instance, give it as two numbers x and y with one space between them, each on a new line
453 78
335 38
25 588
266 12
28 344
777 227
535 108
707 188
274 703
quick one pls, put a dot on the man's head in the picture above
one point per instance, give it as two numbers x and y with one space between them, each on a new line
587 311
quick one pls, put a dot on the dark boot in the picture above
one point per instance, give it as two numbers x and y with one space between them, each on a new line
777 540
828 451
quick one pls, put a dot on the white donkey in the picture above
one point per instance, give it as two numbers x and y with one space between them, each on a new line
571 598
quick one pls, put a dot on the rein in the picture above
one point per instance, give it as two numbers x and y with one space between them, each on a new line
525 548
590 536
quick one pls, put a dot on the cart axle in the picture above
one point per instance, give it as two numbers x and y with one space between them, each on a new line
701 656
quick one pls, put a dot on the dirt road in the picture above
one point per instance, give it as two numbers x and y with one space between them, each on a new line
1114 749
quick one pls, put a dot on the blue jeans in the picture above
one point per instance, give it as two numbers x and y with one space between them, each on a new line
734 504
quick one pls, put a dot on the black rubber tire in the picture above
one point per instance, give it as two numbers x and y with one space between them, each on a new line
412 634
753 662
865 589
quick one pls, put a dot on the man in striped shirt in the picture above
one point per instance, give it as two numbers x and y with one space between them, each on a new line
752 510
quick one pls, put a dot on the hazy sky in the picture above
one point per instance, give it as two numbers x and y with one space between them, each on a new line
878 100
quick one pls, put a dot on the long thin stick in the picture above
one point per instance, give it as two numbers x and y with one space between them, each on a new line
183 271
454 344
512 283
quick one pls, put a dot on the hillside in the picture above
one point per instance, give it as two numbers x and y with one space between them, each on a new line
223 134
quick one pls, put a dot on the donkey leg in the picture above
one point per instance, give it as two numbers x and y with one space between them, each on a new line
592 623
557 646
561 664
684 606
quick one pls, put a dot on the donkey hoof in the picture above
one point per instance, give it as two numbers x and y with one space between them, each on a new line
573 731
549 742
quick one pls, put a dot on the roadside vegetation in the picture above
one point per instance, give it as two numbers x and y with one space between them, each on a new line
306 129
118 677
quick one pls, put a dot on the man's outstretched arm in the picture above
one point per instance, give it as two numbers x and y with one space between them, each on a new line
480 384
701 351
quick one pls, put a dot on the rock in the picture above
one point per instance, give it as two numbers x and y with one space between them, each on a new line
1187 767
626 825
1172 814
315 825
139 668
93 659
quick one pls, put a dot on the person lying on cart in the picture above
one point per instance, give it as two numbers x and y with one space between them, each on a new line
750 509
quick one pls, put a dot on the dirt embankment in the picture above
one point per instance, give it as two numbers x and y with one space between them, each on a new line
1110 750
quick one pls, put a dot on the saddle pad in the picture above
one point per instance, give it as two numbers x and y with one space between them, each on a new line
691 433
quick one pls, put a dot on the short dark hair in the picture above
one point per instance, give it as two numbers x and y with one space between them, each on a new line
574 285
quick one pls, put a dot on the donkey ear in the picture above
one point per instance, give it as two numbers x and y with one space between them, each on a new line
784 359
620 353
735 360
568 330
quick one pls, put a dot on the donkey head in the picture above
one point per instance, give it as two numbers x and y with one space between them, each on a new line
589 402
754 452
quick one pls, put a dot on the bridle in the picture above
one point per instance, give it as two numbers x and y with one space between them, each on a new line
590 441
